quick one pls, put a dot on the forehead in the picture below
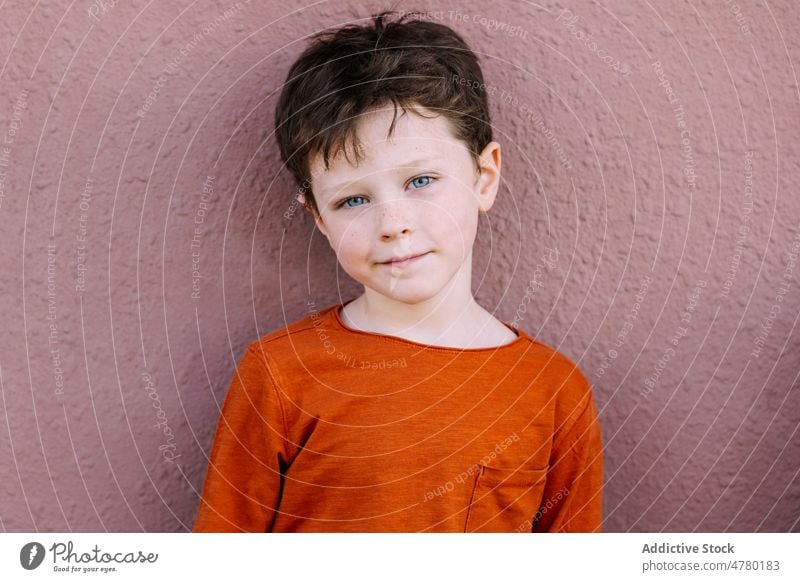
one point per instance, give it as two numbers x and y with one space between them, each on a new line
414 137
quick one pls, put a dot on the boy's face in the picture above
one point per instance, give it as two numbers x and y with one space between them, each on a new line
416 194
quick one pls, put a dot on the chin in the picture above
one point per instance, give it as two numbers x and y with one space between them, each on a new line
409 292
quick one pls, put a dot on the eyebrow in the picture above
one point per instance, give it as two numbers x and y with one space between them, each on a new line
410 164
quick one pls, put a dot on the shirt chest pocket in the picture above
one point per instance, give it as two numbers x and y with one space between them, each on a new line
504 499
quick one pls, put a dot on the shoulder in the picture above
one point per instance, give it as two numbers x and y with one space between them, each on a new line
557 366
295 347
568 385
298 330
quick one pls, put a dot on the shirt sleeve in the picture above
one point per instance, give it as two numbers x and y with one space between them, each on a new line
572 499
249 455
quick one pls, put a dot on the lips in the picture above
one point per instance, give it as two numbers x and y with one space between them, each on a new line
404 258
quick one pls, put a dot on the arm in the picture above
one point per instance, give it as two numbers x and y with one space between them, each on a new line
572 499
250 451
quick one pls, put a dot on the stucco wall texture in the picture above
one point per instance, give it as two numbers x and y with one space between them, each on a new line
648 226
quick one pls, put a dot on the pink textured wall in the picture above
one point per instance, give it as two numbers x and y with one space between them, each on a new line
648 227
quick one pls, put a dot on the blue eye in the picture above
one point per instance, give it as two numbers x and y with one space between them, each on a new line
345 202
416 183
426 180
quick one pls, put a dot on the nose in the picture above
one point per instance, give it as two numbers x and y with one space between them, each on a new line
395 219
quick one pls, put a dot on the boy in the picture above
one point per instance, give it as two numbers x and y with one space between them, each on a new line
410 408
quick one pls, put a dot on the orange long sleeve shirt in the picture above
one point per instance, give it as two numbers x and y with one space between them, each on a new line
329 429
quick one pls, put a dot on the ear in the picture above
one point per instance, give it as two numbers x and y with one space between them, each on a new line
489 179
310 209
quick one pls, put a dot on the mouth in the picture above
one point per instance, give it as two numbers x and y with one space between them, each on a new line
405 261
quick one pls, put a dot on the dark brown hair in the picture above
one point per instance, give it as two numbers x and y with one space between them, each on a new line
350 70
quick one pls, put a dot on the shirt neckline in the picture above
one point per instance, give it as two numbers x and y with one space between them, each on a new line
337 319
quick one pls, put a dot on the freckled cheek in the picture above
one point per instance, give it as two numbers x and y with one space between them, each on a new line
352 246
